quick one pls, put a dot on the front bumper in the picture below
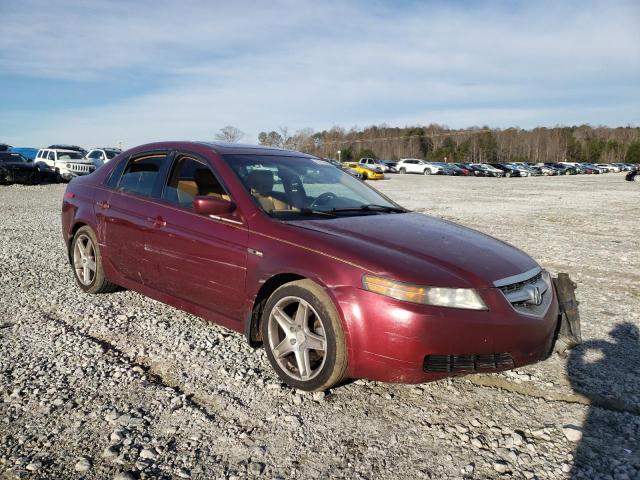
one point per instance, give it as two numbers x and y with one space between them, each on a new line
69 174
390 340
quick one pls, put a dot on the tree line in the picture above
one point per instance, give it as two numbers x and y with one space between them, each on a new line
582 143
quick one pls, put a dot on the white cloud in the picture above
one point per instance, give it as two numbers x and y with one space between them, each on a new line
262 65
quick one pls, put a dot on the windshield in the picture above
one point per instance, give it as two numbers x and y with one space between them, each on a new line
69 156
296 187
111 153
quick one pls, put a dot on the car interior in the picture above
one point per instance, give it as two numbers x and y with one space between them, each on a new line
191 178
260 184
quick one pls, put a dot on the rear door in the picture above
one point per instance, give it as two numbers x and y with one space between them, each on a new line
200 259
125 214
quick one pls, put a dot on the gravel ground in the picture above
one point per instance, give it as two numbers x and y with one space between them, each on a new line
120 386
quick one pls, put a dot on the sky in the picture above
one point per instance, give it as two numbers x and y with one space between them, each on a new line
109 73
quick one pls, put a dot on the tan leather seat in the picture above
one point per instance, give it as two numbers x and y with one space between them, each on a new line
260 182
188 186
207 184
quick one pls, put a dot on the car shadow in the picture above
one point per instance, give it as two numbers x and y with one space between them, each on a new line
608 373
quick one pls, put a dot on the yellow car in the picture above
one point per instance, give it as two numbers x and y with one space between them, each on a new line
366 172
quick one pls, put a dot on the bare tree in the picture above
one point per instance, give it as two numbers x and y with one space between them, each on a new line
229 134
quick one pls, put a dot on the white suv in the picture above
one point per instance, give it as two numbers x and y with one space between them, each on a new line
373 164
415 165
65 163
101 156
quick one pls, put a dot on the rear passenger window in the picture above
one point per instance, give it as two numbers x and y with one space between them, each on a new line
190 178
141 175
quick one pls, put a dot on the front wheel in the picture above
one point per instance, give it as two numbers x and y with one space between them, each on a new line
34 178
87 263
427 171
403 170
508 174
303 336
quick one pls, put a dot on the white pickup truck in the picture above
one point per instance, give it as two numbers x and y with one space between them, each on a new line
66 164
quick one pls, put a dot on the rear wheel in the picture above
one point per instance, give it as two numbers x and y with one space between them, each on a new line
365 176
303 336
507 174
87 263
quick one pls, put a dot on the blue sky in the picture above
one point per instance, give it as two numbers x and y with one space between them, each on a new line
105 72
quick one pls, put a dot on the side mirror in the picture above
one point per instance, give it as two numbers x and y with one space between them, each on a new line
206 205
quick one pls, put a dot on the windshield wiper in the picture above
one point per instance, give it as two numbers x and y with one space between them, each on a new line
312 211
371 207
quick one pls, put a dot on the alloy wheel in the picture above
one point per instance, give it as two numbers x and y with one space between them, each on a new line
297 338
84 259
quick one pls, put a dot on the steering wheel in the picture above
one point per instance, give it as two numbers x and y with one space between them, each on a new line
323 199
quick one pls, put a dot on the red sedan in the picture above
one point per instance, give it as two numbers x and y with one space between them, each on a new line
334 279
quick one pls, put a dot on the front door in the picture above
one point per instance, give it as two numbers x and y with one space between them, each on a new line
200 259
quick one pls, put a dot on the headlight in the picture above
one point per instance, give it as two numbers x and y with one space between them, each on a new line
441 297
68 165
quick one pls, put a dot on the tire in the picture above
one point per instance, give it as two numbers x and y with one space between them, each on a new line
365 176
84 252
426 172
402 171
310 369
35 178
507 174
59 178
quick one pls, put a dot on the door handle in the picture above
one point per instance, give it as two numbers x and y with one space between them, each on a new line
157 222
103 205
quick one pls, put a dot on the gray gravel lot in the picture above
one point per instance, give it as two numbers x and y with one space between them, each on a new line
120 386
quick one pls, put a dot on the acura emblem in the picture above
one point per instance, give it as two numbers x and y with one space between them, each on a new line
535 297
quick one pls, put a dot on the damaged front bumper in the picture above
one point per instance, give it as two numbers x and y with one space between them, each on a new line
568 333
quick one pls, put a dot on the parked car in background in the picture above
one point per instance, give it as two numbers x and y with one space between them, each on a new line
589 169
415 165
343 167
65 164
14 168
332 278
391 165
366 172
486 170
374 164
100 156
610 167
4 147
544 170
597 167
27 152
450 169
633 175
562 169
511 170
623 167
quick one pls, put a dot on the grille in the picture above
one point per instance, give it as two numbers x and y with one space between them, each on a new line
81 168
517 286
531 296
468 363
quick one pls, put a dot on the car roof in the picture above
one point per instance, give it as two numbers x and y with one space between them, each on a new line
224 148
64 150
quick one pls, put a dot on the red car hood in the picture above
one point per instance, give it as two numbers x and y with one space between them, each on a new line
418 248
